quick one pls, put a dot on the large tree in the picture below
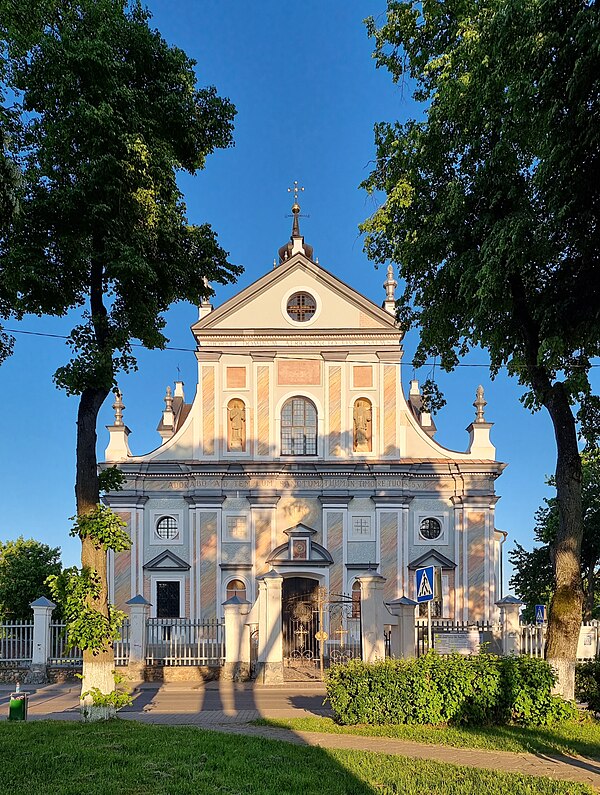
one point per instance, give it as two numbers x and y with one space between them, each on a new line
25 565
491 212
112 114
533 579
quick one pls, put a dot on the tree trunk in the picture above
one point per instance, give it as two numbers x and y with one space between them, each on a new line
566 605
98 668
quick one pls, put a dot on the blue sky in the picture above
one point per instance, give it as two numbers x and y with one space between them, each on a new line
308 95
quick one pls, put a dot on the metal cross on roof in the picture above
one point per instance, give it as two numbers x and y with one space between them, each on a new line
295 190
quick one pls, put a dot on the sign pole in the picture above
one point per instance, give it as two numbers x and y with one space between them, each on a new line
429 641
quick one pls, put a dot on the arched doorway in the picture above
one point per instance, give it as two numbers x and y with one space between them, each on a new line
300 624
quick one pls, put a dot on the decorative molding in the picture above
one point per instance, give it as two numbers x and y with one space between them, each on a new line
174 562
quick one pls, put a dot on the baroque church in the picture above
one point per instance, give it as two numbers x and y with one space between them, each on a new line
299 453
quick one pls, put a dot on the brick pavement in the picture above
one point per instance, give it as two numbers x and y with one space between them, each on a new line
229 707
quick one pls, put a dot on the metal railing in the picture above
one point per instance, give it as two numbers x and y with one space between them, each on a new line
448 626
16 642
180 641
72 657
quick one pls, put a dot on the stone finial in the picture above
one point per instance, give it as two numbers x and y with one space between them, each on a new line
119 407
390 285
205 307
480 404
169 400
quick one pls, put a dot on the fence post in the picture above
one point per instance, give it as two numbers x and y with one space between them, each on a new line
237 658
403 641
139 608
372 618
42 614
270 636
511 628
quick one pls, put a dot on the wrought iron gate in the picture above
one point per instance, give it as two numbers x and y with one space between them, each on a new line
319 630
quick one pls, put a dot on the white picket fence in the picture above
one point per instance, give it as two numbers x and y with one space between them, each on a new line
16 642
533 640
450 627
61 655
181 641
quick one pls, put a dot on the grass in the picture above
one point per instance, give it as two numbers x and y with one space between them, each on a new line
127 758
572 737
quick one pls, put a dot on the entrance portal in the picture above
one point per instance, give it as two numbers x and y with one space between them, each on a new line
300 617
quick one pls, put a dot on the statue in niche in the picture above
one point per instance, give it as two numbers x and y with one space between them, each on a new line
236 420
362 426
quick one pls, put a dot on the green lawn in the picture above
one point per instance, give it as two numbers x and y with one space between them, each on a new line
127 758
572 737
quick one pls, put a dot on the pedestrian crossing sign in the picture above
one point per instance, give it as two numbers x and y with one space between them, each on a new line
425 584
540 614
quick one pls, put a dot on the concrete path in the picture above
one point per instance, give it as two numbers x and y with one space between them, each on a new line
229 707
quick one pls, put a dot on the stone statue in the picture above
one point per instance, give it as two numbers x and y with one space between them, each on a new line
362 426
237 425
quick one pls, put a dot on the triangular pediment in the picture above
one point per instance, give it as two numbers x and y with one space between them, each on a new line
167 561
432 558
262 305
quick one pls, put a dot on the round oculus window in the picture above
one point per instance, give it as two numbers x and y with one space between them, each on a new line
166 528
301 307
430 529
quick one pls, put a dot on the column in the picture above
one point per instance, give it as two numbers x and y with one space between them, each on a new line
403 641
372 617
511 627
237 658
270 636
42 614
139 610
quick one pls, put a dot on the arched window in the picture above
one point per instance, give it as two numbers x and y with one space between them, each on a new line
430 529
298 427
356 592
166 527
236 588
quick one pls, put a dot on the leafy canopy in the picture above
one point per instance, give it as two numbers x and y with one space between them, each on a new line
492 199
25 564
111 113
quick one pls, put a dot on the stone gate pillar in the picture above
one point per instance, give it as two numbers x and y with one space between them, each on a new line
270 636
139 610
42 615
237 657
372 617
404 640
511 628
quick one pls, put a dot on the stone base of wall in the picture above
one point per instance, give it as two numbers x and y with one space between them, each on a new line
11 674
181 673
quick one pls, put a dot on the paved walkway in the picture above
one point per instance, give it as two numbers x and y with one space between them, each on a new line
229 707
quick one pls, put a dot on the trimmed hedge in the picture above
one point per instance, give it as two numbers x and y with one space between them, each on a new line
587 684
482 689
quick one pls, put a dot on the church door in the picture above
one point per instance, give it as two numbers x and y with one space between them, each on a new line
167 599
300 617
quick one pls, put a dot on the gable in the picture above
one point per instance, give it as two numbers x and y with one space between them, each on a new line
263 304
167 561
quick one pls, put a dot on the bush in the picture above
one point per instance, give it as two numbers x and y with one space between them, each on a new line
477 690
587 684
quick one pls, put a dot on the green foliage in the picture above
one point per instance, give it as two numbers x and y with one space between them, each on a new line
110 112
111 479
87 628
532 579
24 567
587 684
104 527
478 690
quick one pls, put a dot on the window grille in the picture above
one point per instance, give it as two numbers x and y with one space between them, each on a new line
299 427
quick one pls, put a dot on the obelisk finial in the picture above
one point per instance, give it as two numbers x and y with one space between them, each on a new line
480 404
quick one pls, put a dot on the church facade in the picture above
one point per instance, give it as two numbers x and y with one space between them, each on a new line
299 453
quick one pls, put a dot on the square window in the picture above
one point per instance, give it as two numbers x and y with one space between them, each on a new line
361 528
236 528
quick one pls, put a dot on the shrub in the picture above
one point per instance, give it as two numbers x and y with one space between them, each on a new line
478 690
587 684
